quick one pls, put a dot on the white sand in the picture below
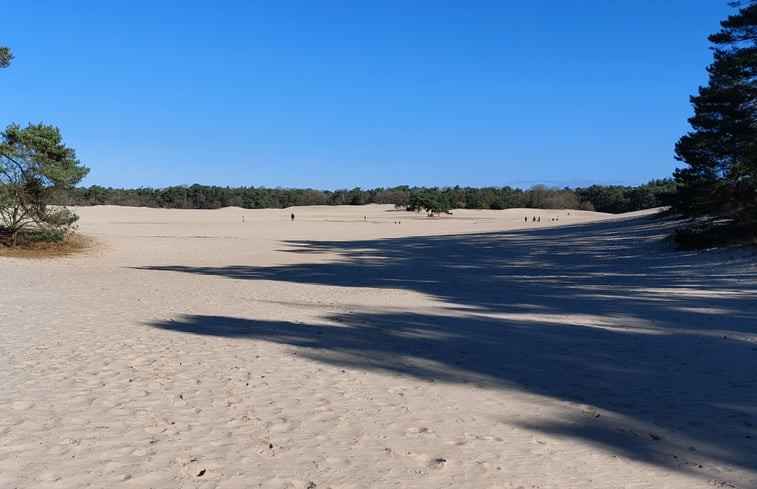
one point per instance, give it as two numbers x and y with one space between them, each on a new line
345 350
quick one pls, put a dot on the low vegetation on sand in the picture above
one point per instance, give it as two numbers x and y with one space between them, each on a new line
36 245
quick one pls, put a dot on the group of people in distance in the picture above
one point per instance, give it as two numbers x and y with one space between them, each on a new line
538 219
534 218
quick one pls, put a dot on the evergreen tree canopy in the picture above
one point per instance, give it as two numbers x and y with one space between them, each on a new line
721 150
5 57
33 164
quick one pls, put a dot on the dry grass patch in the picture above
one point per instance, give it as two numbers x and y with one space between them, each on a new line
73 244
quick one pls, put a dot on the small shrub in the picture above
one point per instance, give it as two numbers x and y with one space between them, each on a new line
48 236
717 233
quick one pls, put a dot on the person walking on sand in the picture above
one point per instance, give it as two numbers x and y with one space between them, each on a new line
292 216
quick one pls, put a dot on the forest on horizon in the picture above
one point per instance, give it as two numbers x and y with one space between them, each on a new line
601 198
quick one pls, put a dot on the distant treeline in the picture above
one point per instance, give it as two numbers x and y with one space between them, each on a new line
601 198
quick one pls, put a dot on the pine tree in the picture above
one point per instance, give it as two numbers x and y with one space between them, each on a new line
33 163
5 56
720 181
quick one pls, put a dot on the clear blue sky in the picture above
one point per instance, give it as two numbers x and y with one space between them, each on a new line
333 94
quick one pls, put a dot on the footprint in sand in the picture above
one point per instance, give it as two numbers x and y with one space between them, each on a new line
418 430
48 477
119 411
437 462
109 404
58 450
281 425
456 442
232 400
473 436
22 405
142 452
155 429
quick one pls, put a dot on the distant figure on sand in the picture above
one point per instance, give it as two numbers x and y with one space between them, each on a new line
526 218
292 216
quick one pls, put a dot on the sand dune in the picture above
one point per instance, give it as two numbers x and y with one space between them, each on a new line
366 347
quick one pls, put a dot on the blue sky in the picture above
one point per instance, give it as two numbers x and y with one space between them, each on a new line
332 94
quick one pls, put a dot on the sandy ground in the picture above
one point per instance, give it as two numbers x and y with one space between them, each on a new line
364 347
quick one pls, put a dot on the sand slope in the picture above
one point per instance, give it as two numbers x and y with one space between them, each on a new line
365 347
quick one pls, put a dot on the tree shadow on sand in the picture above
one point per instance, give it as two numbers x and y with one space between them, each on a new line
656 349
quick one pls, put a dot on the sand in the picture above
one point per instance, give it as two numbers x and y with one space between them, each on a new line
365 347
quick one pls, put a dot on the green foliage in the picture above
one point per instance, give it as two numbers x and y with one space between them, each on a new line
617 199
429 200
720 180
5 57
612 199
715 233
48 236
34 165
